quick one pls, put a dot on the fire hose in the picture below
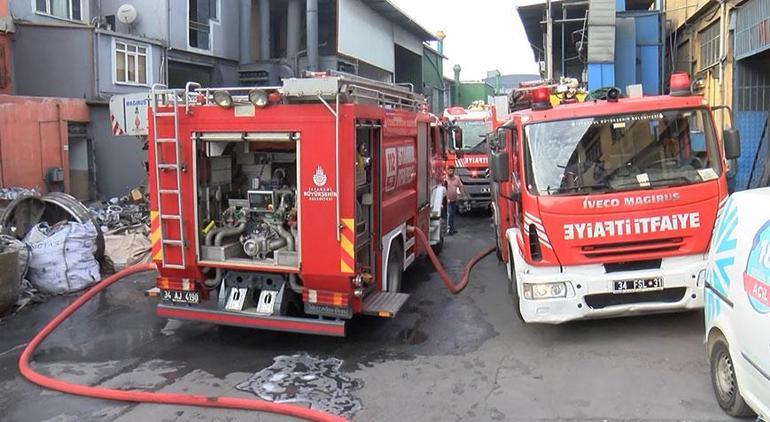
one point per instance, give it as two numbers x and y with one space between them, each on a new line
146 396
453 287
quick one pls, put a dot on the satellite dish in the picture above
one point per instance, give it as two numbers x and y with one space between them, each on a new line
126 14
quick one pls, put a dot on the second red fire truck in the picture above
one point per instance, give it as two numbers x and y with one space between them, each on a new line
288 208
468 152
606 207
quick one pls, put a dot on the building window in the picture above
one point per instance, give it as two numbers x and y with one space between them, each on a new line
682 59
131 65
709 46
202 13
65 9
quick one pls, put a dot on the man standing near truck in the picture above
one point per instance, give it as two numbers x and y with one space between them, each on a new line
454 187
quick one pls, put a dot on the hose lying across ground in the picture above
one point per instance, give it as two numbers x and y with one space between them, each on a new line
453 287
146 396
190 399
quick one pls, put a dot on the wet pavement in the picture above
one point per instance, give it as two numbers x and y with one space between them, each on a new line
443 358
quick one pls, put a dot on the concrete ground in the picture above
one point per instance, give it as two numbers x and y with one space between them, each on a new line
443 358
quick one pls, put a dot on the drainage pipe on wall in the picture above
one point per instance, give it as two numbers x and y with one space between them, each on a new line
245 31
264 29
312 35
293 29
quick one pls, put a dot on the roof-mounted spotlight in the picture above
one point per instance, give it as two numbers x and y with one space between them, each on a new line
223 99
259 98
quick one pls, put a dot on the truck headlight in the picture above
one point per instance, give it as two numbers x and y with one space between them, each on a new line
537 291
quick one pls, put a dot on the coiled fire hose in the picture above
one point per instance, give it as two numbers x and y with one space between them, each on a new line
463 283
147 396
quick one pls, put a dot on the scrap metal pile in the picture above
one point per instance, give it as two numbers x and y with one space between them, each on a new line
54 241
9 194
120 213
30 222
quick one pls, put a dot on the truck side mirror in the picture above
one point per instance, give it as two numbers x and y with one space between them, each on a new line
458 138
498 164
732 142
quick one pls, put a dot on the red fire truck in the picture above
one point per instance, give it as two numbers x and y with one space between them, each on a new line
287 208
468 153
605 208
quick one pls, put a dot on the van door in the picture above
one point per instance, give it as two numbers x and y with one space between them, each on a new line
752 310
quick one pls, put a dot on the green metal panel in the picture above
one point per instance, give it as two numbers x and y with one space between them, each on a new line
474 91
433 80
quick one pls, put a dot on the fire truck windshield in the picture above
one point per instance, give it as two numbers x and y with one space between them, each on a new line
621 152
474 132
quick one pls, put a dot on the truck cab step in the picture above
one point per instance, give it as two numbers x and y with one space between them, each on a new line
384 304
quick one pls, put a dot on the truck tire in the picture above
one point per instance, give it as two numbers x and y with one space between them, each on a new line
395 267
514 290
724 382
499 250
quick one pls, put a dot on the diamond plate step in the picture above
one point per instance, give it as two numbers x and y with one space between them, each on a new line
384 304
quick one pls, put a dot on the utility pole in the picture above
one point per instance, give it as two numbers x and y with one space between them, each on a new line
548 41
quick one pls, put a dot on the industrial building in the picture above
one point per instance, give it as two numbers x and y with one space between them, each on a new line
94 49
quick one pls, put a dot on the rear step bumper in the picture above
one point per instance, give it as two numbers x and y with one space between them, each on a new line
240 319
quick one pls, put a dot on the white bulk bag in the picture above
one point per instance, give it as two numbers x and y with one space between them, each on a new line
62 257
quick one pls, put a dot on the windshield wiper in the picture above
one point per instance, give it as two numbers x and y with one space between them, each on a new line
576 189
473 148
658 183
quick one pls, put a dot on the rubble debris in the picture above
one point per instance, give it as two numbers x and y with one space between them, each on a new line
11 193
62 256
302 378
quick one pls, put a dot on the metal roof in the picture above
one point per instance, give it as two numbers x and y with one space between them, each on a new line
391 12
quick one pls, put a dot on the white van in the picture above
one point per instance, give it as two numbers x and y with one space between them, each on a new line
737 305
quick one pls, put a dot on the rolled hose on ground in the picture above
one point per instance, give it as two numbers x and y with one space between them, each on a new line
146 396
453 287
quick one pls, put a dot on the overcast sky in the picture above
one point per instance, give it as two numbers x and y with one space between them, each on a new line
481 35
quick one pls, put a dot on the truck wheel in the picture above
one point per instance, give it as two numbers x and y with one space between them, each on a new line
395 267
499 251
724 382
513 288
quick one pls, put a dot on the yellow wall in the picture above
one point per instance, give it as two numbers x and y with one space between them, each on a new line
700 14
678 11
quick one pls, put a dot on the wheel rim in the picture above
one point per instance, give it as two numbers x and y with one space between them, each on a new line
725 378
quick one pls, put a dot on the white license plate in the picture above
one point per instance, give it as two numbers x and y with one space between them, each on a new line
637 285
180 296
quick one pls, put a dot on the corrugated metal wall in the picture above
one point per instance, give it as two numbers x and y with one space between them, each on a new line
751 92
752 28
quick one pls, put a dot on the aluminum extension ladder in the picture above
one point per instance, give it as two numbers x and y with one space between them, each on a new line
168 98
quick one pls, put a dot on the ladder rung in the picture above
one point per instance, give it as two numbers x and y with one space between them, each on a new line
168 166
172 242
165 114
174 266
170 217
166 140
169 191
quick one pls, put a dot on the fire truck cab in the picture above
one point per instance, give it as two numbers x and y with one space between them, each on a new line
287 208
467 152
605 208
